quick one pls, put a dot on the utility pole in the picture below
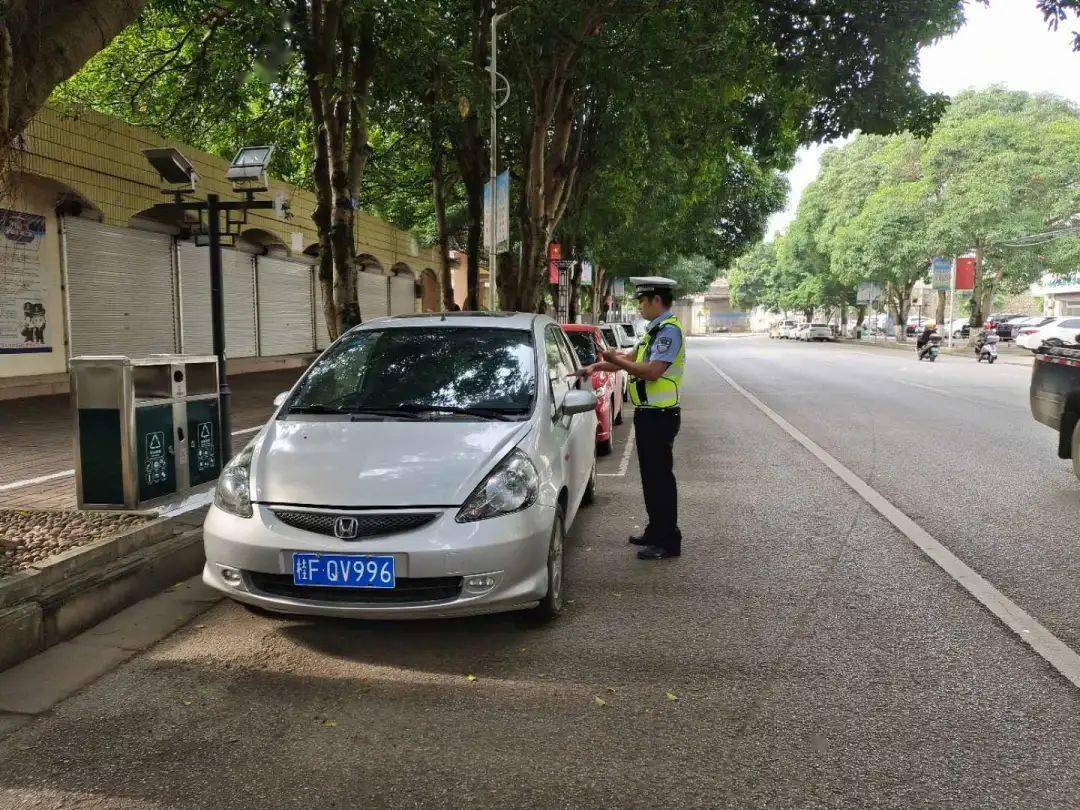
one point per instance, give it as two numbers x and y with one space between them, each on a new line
493 250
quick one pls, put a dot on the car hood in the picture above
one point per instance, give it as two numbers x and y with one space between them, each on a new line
377 463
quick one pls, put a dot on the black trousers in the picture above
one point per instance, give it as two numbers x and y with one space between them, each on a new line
655 430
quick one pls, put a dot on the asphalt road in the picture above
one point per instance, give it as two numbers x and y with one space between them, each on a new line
802 652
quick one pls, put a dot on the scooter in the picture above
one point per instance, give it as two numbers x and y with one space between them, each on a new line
986 347
931 349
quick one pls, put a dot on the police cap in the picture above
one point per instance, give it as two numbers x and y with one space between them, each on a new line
651 285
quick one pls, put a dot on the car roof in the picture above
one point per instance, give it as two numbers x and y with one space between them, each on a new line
482 320
579 327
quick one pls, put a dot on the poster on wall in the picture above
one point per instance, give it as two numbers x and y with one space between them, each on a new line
24 322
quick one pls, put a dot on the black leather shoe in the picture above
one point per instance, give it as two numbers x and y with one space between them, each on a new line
656 553
638 540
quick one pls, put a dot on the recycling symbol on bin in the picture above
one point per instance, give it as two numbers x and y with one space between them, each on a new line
155 468
205 451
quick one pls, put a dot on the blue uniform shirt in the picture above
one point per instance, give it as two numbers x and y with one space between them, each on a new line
665 346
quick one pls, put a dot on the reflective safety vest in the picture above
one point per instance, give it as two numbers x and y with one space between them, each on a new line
664 392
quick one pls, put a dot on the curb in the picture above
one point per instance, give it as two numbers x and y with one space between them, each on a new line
57 598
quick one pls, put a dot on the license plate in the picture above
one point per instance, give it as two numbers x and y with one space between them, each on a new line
343 570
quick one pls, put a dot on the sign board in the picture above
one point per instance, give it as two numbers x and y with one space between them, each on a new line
965 273
24 323
586 272
942 270
502 214
554 258
869 292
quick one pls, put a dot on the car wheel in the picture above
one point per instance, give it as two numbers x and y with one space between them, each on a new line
551 605
1076 449
617 419
603 448
991 359
589 496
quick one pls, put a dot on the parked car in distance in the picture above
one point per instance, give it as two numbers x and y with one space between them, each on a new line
607 385
960 328
801 330
787 330
423 466
616 336
1060 331
818 331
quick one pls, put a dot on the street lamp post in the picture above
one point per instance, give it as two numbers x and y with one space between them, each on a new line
248 176
493 249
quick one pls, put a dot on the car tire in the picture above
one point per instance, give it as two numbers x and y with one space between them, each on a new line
552 603
617 418
588 498
991 359
603 448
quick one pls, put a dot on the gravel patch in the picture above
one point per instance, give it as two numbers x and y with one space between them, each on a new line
29 536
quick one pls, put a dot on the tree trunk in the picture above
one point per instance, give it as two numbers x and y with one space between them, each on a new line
43 43
843 320
978 313
939 316
575 293
438 192
861 310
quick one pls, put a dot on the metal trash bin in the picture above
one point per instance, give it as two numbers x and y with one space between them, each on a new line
145 428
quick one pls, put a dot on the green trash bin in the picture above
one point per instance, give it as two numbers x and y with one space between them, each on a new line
145 428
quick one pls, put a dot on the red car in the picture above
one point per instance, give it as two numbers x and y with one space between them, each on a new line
608 386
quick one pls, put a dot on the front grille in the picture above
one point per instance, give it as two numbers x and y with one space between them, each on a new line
368 525
429 589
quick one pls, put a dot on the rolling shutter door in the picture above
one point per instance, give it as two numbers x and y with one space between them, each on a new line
239 294
284 306
371 293
120 289
402 295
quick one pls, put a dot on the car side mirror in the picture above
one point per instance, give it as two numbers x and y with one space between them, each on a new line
279 400
578 402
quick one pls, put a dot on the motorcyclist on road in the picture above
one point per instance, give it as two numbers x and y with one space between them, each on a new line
923 342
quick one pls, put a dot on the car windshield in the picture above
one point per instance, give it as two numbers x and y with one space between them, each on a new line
628 328
454 370
584 345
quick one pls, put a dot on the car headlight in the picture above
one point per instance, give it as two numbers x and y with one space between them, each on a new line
233 492
512 486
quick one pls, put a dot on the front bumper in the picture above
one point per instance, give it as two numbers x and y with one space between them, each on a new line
512 550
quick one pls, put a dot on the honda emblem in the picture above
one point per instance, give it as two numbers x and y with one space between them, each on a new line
346 528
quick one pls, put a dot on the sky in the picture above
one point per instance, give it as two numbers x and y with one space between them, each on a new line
1007 43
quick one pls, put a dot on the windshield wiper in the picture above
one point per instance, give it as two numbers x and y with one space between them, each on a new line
323 409
317 409
500 414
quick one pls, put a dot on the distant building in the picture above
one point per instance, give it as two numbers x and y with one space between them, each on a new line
722 317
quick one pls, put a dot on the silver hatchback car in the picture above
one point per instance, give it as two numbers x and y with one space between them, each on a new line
424 466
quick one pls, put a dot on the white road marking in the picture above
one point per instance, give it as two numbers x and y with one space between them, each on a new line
624 465
43 479
1058 654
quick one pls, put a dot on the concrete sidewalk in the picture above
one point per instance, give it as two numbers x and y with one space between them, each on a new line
36 439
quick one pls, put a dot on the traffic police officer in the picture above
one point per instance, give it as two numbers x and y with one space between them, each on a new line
657 366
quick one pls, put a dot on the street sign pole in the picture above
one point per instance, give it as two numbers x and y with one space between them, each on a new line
493 249
952 303
217 320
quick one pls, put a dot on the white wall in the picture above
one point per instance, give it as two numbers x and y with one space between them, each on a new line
32 199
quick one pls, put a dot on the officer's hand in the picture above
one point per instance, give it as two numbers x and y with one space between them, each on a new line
611 356
582 373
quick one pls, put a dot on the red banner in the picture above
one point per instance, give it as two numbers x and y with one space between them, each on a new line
965 273
554 256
